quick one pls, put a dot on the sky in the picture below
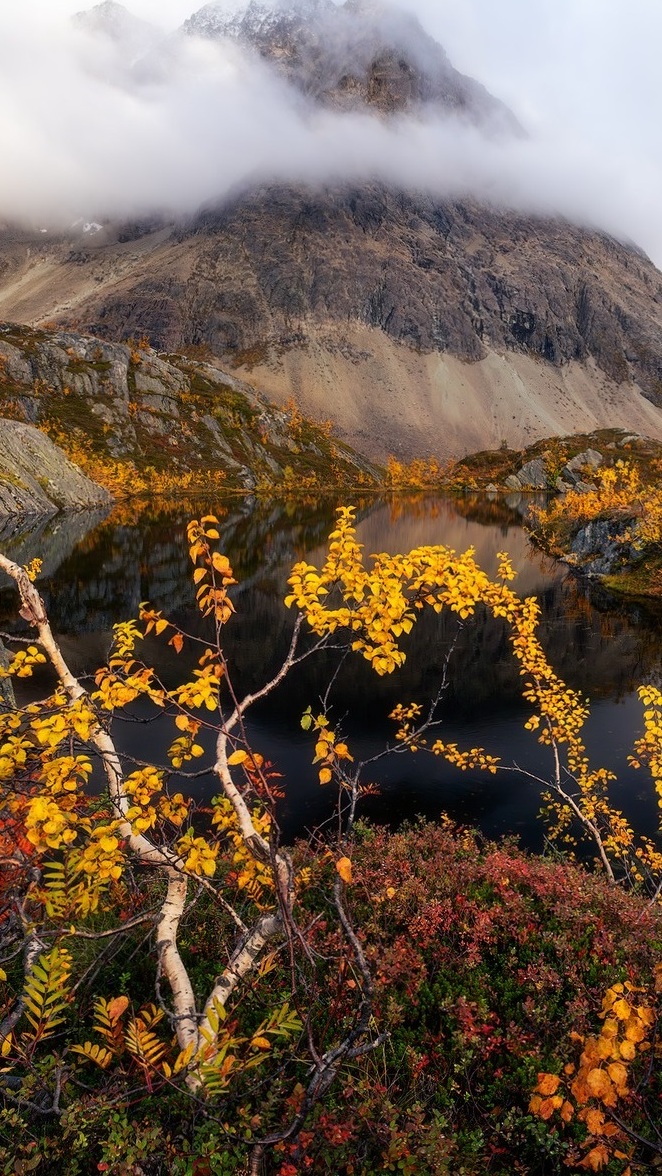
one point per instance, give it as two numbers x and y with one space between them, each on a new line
582 76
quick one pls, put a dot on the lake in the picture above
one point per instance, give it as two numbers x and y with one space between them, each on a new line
97 571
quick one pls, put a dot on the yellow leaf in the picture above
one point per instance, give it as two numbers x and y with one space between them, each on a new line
238 757
261 1043
199 574
619 1076
344 868
326 775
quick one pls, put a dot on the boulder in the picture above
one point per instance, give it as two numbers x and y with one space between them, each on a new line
37 478
603 546
533 475
512 482
572 470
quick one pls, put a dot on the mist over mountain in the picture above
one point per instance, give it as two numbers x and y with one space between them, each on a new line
113 116
314 193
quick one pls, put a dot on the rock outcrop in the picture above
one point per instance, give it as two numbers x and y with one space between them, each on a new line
172 414
37 478
356 56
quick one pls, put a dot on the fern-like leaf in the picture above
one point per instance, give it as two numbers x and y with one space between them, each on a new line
94 1053
141 1041
46 991
107 1021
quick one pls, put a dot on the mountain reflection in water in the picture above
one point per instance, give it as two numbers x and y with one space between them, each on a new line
97 576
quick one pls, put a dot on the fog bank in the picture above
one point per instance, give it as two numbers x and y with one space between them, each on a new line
99 127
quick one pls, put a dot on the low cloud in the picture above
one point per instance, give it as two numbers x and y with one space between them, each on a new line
93 129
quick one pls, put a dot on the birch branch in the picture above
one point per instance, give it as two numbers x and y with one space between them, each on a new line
33 610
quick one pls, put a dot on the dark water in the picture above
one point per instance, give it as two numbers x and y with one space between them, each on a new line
97 572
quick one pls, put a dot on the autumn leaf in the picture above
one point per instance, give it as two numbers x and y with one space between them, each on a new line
237 757
177 642
619 1076
344 868
595 1120
596 1158
117 1007
548 1084
599 1084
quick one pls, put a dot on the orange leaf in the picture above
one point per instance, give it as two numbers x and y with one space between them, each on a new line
344 868
619 1076
548 1084
117 1006
177 642
595 1120
546 1109
596 1158
598 1083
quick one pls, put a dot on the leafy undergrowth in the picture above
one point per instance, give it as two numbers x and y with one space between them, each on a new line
630 504
478 470
486 960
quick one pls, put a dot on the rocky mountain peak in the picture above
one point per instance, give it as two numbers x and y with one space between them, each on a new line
364 53
110 18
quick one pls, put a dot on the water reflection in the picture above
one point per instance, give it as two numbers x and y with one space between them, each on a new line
98 571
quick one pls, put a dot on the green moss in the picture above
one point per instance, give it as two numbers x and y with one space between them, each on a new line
11 479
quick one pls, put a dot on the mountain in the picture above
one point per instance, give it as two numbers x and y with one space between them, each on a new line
419 324
113 23
362 55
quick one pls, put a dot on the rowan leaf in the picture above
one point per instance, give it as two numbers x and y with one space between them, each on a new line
117 1007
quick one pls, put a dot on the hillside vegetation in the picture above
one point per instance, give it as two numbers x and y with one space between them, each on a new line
136 421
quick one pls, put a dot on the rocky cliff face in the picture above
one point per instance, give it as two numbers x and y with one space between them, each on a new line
176 415
419 325
36 477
